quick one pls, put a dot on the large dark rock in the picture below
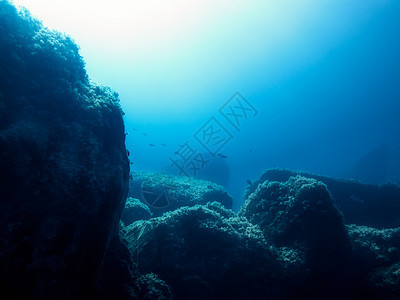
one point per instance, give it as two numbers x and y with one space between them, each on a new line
135 210
301 214
377 247
288 242
338 261
378 253
151 287
63 164
162 192
206 252
362 204
297 210
117 278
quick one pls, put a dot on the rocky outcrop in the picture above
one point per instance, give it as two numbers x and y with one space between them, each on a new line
378 252
300 214
135 210
163 192
362 204
63 164
299 211
205 252
117 278
288 241
64 180
151 287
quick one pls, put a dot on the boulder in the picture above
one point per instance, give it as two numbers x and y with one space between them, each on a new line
117 277
151 287
299 210
300 214
162 192
64 170
361 204
376 247
206 252
135 210
289 241
378 255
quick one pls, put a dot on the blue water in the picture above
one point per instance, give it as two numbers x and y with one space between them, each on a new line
328 100
324 77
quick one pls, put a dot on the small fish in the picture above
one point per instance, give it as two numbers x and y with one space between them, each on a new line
152 145
222 156
163 145
248 181
250 150
144 133
134 129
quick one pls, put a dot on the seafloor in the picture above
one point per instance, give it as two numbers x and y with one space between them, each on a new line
76 225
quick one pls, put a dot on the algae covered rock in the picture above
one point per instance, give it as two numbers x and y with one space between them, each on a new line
205 252
301 215
377 247
135 210
298 210
362 204
378 253
117 279
153 288
163 192
288 241
386 282
63 165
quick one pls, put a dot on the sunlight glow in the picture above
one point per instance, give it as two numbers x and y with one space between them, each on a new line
168 44
186 54
148 25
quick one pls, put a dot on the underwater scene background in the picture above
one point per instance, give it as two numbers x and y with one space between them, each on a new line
200 150
323 76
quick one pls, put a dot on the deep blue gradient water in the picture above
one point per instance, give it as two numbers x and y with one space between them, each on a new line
324 77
